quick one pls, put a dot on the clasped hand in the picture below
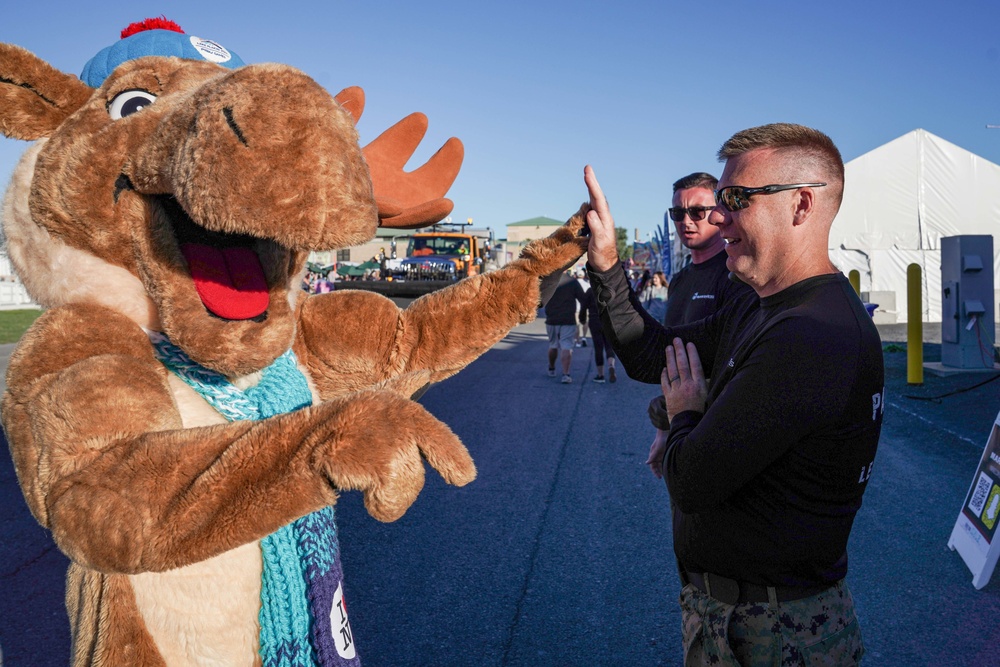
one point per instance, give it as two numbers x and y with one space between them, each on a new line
683 380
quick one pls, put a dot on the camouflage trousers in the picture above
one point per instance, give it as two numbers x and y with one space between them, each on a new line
817 630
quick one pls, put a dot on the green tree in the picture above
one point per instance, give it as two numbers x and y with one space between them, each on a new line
624 247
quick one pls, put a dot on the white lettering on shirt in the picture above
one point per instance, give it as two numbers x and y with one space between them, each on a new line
878 405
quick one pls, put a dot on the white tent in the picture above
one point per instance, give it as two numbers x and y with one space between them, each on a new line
899 200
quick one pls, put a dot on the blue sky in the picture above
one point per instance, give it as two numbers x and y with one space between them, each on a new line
646 92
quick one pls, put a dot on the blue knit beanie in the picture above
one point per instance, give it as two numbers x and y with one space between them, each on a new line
155 37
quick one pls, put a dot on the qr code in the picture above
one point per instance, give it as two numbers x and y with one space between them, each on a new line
979 494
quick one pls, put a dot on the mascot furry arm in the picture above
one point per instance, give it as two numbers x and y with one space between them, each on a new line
163 218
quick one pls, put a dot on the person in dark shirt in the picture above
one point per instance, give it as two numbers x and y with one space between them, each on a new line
560 323
703 286
766 468
601 348
700 288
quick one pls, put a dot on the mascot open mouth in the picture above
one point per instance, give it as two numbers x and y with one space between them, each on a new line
225 268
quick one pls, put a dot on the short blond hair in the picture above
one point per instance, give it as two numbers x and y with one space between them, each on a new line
804 142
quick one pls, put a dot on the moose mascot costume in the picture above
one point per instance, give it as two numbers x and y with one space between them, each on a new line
183 415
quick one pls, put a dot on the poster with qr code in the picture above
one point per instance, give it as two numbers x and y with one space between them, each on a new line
979 493
982 506
977 522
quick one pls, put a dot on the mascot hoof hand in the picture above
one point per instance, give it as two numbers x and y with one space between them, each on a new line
560 249
377 442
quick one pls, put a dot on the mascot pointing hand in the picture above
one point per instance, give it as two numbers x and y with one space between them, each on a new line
183 416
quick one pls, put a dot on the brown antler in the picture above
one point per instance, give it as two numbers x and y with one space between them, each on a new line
407 200
353 101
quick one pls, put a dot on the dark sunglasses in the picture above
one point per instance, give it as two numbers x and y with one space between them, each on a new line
696 212
737 197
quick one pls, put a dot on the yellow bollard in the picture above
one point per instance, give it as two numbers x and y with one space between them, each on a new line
855 277
914 326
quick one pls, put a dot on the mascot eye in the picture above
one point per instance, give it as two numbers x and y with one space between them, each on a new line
127 103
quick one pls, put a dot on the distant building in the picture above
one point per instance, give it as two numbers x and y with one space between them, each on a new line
528 230
520 233
12 292
366 251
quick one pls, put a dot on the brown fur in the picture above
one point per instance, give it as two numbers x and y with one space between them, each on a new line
105 623
108 448
38 97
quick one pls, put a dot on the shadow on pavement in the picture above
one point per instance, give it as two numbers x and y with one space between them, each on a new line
559 553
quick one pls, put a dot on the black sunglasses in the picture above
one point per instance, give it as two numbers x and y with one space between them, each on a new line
737 197
696 212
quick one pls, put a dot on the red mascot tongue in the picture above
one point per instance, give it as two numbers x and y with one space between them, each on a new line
230 281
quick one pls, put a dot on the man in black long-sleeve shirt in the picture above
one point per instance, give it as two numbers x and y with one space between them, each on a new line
767 468
703 286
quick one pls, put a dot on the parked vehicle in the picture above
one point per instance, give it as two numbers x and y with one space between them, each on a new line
446 254
435 258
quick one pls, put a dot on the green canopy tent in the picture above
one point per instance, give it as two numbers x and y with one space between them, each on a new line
323 271
345 270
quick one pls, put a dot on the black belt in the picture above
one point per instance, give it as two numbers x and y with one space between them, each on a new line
731 591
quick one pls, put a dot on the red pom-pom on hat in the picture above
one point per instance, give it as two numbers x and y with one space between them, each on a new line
159 23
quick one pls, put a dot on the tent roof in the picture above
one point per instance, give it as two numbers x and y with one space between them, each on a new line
910 192
900 199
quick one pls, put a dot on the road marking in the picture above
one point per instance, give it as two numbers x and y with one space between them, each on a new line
900 407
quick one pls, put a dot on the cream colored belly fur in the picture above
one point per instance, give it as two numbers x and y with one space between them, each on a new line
206 613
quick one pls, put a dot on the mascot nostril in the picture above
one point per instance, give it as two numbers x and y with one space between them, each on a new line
183 416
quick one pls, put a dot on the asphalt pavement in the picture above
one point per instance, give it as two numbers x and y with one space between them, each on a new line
560 552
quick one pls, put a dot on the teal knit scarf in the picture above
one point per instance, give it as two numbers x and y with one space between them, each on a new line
303 619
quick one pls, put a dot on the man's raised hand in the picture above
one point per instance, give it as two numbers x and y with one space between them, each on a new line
602 252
